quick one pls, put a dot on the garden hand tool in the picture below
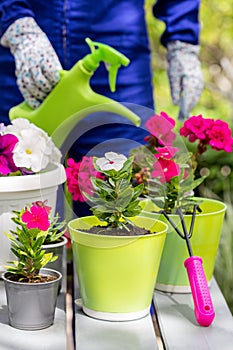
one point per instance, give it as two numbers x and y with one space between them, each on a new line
203 306
72 98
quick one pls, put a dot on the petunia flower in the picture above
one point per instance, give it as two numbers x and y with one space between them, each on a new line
31 151
35 149
36 217
7 144
111 161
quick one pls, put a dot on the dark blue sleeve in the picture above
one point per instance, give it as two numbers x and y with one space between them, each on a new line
181 20
11 10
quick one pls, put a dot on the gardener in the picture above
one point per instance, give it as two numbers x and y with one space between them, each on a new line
39 39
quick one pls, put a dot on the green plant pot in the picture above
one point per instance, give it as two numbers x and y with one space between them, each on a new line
117 274
172 275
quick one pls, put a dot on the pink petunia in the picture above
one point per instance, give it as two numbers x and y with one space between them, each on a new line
7 144
36 217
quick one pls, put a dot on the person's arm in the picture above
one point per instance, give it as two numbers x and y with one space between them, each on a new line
11 10
36 62
181 38
181 20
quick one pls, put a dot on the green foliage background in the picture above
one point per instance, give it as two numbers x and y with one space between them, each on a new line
216 55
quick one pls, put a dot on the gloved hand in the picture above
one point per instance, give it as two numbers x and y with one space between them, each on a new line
185 75
37 65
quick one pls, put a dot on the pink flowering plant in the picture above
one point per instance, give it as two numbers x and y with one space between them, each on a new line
108 188
165 165
33 227
25 149
79 176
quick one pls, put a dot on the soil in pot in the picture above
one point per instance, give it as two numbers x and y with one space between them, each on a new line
117 231
36 279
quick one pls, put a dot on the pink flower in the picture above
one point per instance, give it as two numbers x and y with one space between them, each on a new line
165 169
7 144
220 136
43 205
160 126
215 133
36 217
195 128
166 152
79 177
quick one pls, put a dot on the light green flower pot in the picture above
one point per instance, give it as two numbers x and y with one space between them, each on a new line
117 274
172 275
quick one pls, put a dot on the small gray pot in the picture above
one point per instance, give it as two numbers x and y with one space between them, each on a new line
31 306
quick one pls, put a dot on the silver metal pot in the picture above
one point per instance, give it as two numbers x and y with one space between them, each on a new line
31 306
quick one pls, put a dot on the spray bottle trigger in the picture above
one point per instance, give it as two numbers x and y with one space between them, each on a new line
112 74
112 59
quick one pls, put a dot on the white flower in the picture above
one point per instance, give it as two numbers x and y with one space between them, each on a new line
111 161
31 151
17 126
35 149
2 128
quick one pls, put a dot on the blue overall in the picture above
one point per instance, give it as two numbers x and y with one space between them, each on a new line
120 24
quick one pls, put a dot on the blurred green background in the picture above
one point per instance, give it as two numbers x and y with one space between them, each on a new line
216 55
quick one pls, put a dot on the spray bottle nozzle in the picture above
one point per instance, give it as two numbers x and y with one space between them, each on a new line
112 58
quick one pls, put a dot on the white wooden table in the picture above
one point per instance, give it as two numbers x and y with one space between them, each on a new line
176 322
178 326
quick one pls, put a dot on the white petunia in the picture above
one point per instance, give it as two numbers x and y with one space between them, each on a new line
35 148
18 125
31 151
2 128
111 161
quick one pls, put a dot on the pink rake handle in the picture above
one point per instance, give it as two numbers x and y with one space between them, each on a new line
203 306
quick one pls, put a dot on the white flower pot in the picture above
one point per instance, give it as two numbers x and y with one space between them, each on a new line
18 191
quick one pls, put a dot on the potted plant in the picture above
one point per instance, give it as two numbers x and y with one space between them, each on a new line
167 164
31 289
116 252
30 171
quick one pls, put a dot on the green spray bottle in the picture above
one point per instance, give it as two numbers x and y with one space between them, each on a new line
72 98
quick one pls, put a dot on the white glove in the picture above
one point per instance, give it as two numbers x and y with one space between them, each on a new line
37 65
185 75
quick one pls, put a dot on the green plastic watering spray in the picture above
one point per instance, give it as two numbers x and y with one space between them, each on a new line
72 98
